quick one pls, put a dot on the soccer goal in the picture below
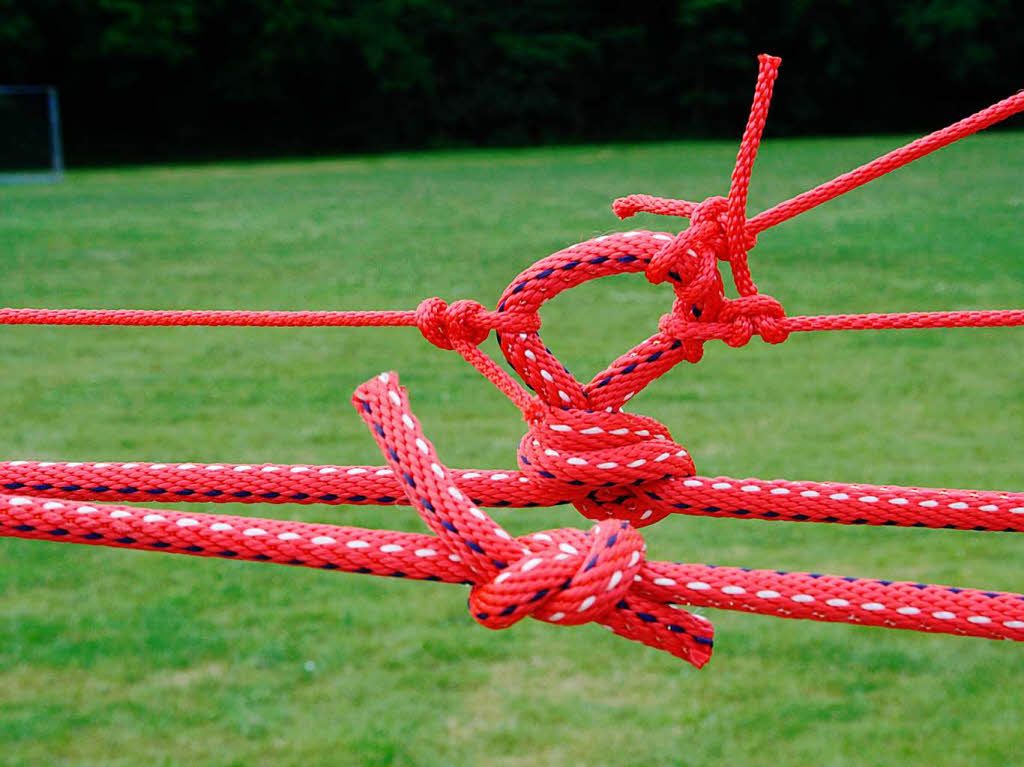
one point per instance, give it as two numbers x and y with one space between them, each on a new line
30 141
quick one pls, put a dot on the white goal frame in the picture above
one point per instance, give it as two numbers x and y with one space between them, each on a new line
56 170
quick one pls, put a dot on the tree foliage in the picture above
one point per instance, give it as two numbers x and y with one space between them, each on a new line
188 78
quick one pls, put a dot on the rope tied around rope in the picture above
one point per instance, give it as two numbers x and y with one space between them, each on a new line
467 322
564 576
718 231
708 229
609 463
738 321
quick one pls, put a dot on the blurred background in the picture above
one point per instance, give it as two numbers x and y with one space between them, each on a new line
144 80
267 155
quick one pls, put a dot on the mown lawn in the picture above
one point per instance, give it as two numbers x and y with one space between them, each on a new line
125 658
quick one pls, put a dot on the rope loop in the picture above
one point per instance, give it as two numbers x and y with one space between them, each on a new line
609 463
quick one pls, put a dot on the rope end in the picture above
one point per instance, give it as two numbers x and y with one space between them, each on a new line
625 207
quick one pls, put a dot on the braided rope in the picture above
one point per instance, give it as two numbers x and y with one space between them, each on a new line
620 469
777 499
562 576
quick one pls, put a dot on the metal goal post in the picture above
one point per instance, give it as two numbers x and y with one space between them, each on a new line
31 149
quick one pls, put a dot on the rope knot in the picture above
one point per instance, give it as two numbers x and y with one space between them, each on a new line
711 210
566 576
607 462
729 234
718 230
559 576
444 325
749 315
713 229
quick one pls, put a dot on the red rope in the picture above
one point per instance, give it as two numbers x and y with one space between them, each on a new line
777 499
207 318
432 317
782 326
621 469
887 163
738 239
565 577
628 206
562 576
509 322
410 555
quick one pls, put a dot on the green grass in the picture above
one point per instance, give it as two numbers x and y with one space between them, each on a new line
123 658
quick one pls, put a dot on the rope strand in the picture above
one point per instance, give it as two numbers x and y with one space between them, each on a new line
887 163
810 596
778 499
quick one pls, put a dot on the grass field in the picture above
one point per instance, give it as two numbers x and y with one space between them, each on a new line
129 658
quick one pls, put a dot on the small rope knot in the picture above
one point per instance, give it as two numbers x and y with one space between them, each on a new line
749 315
443 324
708 238
710 210
607 462
566 576
681 261
730 245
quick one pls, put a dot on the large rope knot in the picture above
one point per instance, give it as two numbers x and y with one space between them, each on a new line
608 463
562 576
691 260
719 231
567 576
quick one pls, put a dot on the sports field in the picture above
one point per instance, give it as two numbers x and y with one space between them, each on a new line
127 658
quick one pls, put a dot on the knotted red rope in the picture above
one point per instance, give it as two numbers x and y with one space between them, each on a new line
466 322
580 447
610 464
718 231
561 576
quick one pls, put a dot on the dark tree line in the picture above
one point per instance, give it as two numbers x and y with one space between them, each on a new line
165 79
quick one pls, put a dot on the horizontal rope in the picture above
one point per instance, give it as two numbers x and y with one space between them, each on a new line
782 500
287 319
206 318
991 318
988 318
893 604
